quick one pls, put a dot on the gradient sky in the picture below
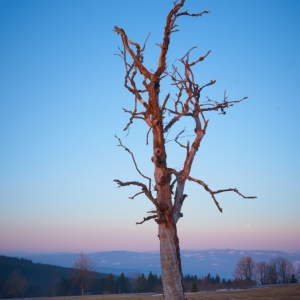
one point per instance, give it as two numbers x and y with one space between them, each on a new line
61 100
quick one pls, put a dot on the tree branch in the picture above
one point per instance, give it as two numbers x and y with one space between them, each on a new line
165 102
137 58
137 183
185 13
121 145
212 193
214 105
196 61
136 195
130 76
177 137
169 29
134 115
147 136
146 219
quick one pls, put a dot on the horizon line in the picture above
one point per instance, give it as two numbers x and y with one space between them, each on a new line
40 252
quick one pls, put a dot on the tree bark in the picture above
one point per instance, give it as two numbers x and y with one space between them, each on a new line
170 262
169 247
169 243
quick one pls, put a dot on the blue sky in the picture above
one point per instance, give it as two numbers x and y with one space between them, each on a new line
61 100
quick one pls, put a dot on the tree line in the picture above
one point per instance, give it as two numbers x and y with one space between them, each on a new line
23 278
109 284
278 270
247 272
18 285
205 283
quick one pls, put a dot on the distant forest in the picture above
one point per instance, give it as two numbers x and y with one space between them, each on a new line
22 278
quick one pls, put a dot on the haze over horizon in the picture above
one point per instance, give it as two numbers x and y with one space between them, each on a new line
61 100
14 253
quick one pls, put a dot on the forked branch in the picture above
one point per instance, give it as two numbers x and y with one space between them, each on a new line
169 29
121 145
212 193
210 105
137 183
137 57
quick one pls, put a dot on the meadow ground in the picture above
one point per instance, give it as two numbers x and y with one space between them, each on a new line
282 292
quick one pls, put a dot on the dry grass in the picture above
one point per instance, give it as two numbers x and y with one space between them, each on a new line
281 292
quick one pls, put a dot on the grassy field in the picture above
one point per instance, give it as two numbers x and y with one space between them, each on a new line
285 292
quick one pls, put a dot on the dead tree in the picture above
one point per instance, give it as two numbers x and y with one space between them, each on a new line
167 194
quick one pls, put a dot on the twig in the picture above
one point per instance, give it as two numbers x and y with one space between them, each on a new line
212 193
137 183
147 136
136 195
146 219
121 145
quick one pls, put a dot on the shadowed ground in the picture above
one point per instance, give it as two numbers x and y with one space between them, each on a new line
291 291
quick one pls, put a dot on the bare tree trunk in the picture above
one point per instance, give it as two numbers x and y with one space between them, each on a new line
169 243
169 247
170 262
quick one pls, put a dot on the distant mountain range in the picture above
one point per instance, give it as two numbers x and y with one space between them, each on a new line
194 262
